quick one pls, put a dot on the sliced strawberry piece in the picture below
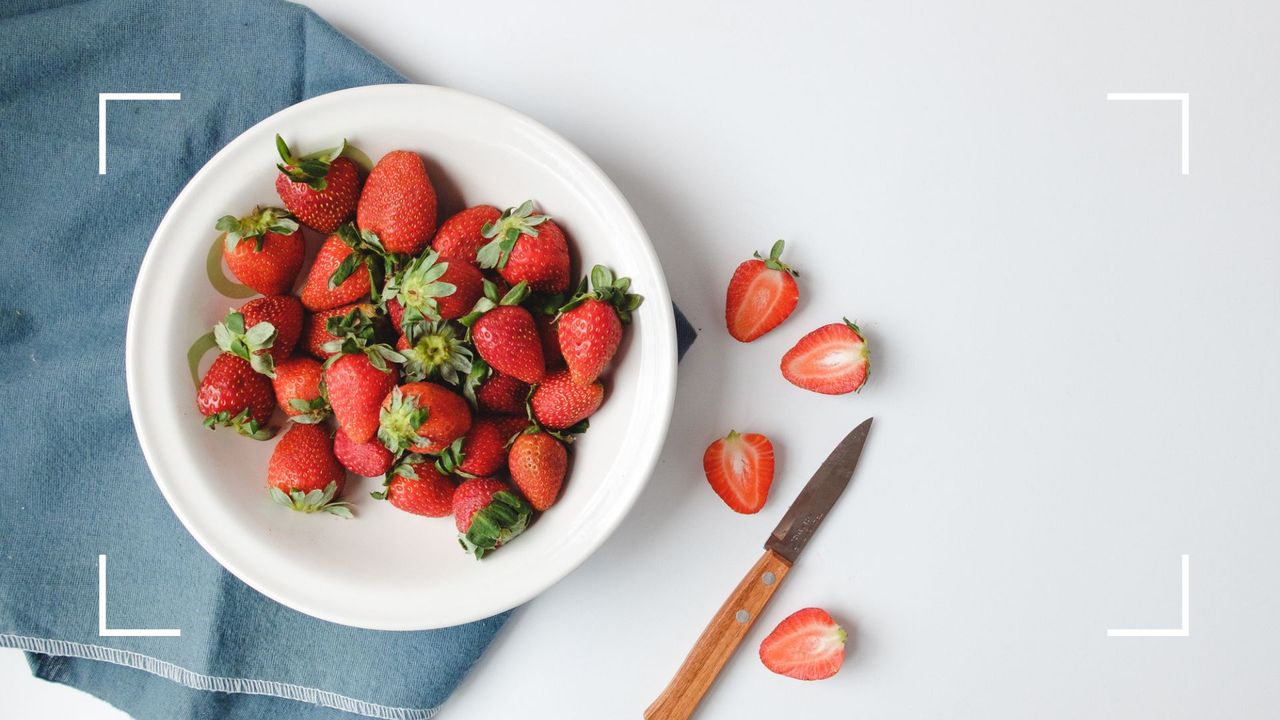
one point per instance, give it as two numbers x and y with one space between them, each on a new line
808 645
761 295
740 470
832 360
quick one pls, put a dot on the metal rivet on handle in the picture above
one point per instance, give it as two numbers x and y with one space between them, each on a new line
768 578
742 616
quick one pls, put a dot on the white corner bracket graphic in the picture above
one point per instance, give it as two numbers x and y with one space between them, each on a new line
1185 100
1185 630
103 630
102 118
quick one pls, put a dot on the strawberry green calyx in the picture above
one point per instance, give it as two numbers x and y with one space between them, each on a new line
417 289
503 233
490 300
311 168
255 226
314 501
566 436
437 352
495 524
451 459
608 289
310 412
398 423
480 371
367 250
866 352
357 333
253 344
241 422
774 261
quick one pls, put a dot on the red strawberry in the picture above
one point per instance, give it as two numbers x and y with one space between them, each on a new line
433 289
422 417
461 236
284 313
483 451
315 327
317 293
297 387
395 311
367 459
263 250
538 463
398 203
560 403
488 515
356 387
761 295
303 473
418 488
832 360
808 645
527 248
502 394
232 393
508 340
320 188
740 470
591 324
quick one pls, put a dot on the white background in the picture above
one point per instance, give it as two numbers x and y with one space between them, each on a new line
1074 345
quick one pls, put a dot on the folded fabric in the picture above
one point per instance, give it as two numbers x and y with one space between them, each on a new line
75 484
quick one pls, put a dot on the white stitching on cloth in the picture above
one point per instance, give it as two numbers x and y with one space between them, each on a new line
195 680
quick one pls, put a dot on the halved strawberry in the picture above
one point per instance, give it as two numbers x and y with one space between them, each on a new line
740 470
761 295
808 645
832 360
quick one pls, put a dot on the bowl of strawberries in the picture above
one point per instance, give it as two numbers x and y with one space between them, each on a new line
400 358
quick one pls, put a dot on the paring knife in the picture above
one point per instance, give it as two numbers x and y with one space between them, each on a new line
734 619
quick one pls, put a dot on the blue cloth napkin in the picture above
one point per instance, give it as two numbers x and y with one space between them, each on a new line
75 484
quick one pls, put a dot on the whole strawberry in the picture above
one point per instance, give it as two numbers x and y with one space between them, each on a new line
263 250
538 462
506 337
483 451
320 188
488 515
233 394
761 295
431 288
560 403
398 203
527 248
502 394
461 236
298 389
367 459
303 473
414 486
334 278
590 325
315 330
357 379
832 360
284 313
422 417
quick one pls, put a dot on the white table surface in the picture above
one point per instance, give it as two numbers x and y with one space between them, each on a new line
1074 345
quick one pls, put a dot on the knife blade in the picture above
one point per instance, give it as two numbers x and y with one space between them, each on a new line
739 612
818 496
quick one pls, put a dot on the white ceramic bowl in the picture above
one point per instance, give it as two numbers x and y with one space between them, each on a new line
387 569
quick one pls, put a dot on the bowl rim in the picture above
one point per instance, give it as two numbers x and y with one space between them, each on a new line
659 389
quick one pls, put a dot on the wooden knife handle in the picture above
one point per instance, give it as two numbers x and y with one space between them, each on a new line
716 644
